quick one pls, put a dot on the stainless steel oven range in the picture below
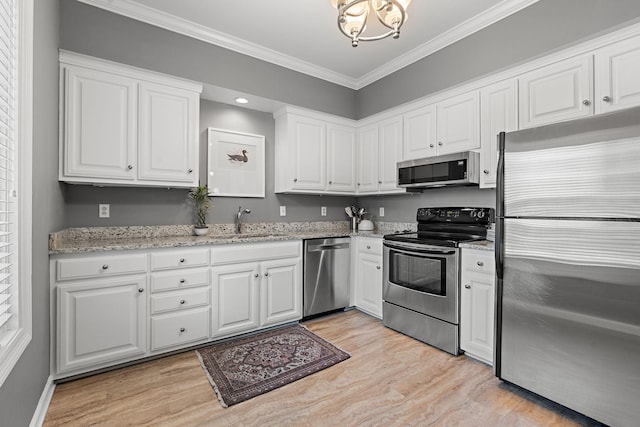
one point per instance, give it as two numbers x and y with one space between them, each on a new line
422 274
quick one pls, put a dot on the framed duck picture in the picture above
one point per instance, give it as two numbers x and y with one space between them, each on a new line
236 164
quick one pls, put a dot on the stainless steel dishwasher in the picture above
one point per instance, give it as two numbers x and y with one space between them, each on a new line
326 275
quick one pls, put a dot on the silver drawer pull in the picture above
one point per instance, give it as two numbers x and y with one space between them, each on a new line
130 167
104 267
586 102
256 275
377 267
480 263
190 170
266 274
486 171
182 280
141 290
182 259
606 98
182 330
182 301
368 246
467 286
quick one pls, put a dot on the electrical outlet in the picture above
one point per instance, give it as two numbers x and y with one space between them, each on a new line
380 211
103 211
323 211
283 211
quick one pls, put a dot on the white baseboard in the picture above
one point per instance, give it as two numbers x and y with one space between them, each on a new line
43 404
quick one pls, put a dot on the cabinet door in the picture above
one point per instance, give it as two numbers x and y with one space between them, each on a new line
100 322
235 298
308 154
368 159
458 123
498 113
389 153
369 284
168 129
561 91
280 291
617 71
419 127
341 158
99 125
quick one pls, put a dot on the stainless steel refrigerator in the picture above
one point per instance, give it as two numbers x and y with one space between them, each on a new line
568 264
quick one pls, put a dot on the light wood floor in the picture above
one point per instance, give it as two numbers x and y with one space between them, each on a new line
390 380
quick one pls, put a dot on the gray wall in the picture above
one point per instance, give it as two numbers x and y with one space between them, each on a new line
159 206
93 31
543 27
20 393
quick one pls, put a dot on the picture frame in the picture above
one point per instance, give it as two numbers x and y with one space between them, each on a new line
235 164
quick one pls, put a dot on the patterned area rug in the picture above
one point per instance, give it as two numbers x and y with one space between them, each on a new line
243 368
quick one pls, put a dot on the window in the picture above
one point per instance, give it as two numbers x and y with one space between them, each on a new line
16 56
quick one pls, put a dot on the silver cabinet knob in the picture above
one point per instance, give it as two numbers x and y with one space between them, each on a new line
141 290
330 182
486 171
358 184
379 182
256 275
440 143
190 171
295 179
377 267
104 267
182 302
368 246
586 102
182 330
430 145
129 167
606 98
182 260
480 263
467 286
182 280
266 274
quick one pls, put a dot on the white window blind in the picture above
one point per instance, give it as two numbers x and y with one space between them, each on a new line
8 88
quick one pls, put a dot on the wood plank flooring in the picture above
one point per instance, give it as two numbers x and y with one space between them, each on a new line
390 380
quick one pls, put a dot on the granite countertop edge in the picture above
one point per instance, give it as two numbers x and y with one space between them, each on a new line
483 245
60 243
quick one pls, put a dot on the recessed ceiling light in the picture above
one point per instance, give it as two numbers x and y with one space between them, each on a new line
242 100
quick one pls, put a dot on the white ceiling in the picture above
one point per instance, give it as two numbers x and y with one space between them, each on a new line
303 35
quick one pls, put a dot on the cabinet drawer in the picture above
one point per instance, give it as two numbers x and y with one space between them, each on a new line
370 246
179 279
100 266
481 261
179 300
174 329
179 259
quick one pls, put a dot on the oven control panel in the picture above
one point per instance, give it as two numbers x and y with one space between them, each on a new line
455 215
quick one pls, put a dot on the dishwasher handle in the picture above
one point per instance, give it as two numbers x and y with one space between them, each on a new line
327 247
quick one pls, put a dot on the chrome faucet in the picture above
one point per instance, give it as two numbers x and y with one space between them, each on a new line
238 218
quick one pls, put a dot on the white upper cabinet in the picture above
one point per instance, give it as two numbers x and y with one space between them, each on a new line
450 126
99 125
341 158
419 128
558 92
499 113
168 127
125 126
379 150
313 153
617 71
458 127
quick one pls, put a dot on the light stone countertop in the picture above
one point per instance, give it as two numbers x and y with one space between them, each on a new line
102 239
483 245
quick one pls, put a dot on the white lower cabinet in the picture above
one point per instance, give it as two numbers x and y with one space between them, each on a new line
255 286
477 304
100 322
368 275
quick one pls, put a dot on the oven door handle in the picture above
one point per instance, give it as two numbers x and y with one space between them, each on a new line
414 249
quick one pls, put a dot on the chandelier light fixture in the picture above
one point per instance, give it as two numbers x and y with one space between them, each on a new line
354 14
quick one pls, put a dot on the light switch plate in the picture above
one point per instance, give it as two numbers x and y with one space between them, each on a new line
323 211
283 211
380 211
103 210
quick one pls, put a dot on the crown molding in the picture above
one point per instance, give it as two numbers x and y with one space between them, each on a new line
133 10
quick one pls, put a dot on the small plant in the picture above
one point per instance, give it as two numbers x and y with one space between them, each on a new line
200 197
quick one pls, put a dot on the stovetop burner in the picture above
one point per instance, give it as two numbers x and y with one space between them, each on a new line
447 227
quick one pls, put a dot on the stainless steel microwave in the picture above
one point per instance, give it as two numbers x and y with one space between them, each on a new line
452 169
